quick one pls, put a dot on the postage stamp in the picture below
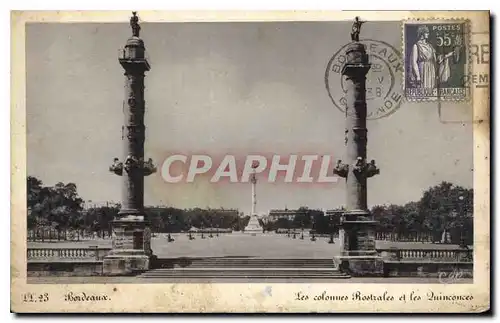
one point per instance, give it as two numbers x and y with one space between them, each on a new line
436 60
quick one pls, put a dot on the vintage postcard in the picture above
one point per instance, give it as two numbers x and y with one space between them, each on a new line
250 162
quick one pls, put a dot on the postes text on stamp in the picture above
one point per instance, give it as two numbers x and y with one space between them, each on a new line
435 58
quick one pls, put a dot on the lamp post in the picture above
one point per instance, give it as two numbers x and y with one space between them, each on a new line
462 221
190 225
313 238
211 221
330 218
169 221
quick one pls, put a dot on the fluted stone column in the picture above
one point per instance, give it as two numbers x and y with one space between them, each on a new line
133 143
131 251
358 246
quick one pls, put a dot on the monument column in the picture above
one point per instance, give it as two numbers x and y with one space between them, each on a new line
253 227
358 254
253 180
131 231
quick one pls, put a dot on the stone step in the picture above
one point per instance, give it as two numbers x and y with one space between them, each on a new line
246 276
223 273
244 273
248 263
281 266
235 269
266 260
252 262
251 259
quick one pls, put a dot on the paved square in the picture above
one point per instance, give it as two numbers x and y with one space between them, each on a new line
242 245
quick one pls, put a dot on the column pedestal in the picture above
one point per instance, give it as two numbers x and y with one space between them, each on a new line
131 253
358 254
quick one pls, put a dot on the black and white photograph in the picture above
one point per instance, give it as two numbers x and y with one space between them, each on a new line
275 152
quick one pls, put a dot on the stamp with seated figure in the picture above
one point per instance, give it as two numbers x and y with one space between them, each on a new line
435 57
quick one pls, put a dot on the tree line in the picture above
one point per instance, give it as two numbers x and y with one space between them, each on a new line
444 208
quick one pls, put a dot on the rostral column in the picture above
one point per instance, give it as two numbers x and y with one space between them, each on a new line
358 254
131 251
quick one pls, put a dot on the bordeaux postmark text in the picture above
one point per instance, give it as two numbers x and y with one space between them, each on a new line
383 91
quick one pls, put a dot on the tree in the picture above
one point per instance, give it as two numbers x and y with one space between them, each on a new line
442 208
321 222
303 218
447 207
34 187
35 192
65 206
58 207
282 223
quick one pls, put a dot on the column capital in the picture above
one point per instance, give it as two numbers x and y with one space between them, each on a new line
357 64
355 71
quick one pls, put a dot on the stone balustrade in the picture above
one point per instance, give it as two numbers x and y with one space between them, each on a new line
67 254
458 255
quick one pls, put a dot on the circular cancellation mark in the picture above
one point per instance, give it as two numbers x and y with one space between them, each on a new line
383 90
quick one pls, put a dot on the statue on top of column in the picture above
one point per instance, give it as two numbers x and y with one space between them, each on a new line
134 23
356 29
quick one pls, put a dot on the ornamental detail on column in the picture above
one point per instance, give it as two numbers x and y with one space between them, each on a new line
135 133
133 103
132 163
360 135
341 169
362 168
116 167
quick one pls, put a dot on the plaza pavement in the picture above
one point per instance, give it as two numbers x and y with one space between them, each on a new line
237 244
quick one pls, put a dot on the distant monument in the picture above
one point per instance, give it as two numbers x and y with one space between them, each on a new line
358 254
253 226
131 249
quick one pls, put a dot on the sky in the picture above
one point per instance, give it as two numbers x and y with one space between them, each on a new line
225 88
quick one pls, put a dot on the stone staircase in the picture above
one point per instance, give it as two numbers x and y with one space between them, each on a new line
250 268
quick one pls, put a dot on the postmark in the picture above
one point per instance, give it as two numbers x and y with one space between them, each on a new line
383 93
479 57
436 60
